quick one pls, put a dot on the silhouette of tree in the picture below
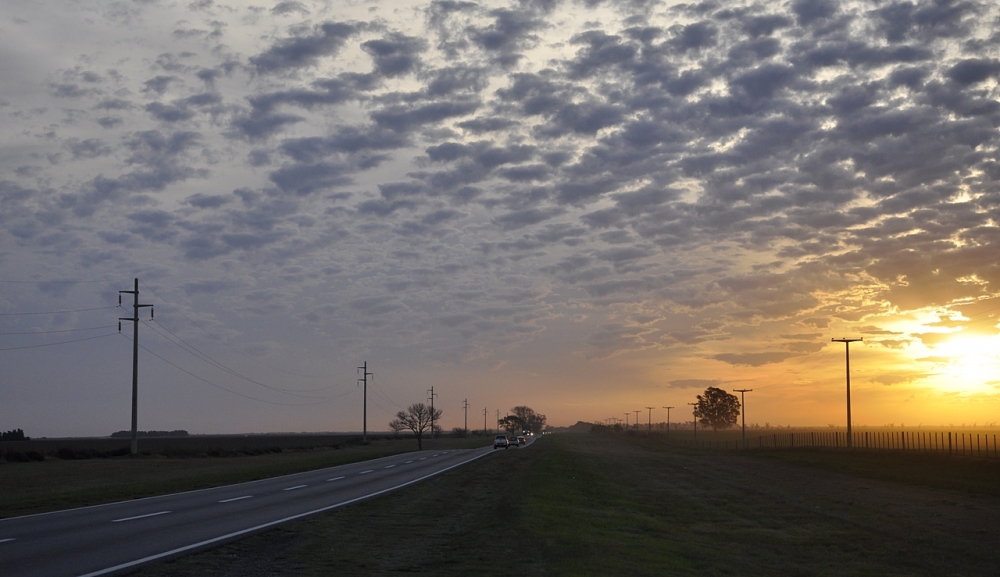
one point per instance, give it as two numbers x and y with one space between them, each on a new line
417 418
530 420
717 409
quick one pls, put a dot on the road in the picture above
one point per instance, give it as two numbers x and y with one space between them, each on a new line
115 537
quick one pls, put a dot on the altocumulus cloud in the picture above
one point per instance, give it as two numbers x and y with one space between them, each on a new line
714 168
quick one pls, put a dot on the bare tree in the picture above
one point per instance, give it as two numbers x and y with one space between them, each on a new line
417 418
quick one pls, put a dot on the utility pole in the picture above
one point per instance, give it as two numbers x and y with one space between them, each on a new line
626 421
431 396
649 424
465 406
847 352
695 419
485 431
135 357
364 379
636 420
498 420
743 412
668 419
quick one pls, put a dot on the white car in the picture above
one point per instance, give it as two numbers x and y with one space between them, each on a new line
500 441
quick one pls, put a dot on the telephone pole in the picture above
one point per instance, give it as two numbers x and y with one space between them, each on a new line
485 431
649 424
636 420
431 395
626 421
465 406
364 379
695 419
668 419
135 357
847 352
743 412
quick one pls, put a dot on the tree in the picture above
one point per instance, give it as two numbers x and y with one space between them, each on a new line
417 418
530 420
512 424
717 409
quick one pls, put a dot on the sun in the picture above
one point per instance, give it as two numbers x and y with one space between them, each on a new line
968 363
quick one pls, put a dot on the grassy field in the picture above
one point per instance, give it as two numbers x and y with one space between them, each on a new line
52 484
616 505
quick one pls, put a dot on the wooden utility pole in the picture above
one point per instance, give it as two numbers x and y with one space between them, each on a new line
431 394
847 352
649 423
668 419
743 412
135 357
694 416
465 406
364 380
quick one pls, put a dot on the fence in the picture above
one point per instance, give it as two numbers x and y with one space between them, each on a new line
967 444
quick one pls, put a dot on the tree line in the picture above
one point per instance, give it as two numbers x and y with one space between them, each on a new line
14 435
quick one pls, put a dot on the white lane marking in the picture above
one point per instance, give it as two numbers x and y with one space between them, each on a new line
389 466
364 472
294 488
435 455
407 463
5 540
140 517
423 458
172 552
236 499
334 479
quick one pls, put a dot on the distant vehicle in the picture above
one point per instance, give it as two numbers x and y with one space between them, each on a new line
501 441
521 440
512 441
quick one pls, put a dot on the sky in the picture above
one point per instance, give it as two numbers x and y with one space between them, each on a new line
587 207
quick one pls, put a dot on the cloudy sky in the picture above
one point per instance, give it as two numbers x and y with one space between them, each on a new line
589 207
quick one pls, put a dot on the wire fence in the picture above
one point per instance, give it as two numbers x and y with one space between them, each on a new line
983 445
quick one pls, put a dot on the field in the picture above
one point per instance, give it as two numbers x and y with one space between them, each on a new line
83 477
595 504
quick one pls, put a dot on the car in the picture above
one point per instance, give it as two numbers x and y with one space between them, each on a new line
512 441
521 440
501 441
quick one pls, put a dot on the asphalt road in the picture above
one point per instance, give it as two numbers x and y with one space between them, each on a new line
115 537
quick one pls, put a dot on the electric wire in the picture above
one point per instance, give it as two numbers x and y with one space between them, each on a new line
58 331
56 312
190 349
180 312
55 344
208 382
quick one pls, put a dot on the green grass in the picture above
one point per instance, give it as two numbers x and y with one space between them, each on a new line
607 505
54 484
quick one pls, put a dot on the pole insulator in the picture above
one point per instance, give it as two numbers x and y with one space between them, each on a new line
151 313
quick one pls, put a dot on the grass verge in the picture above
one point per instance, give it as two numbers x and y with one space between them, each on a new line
574 505
37 487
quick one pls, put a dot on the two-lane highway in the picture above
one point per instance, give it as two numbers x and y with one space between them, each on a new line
105 539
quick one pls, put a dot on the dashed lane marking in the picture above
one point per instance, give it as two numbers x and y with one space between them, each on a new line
390 466
334 479
236 499
364 472
5 540
294 488
140 517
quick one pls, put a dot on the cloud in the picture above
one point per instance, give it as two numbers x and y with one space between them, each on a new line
301 51
752 359
694 383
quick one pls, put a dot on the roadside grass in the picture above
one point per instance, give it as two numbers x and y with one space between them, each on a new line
467 521
579 505
968 475
36 487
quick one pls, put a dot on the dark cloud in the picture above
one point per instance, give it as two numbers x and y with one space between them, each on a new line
300 51
395 54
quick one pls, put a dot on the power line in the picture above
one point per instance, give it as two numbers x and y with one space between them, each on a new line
55 312
59 331
192 350
59 343
180 312
208 382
